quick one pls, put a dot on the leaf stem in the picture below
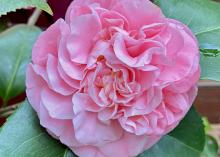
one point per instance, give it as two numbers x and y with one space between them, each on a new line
34 17
7 111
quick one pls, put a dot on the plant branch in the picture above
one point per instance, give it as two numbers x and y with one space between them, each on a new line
34 17
7 111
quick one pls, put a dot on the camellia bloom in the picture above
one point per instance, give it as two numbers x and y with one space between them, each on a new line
113 77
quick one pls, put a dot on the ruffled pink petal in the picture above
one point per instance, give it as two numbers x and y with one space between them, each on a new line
34 84
67 137
55 81
143 9
108 4
55 126
88 151
184 57
130 145
82 102
86 124
83 30
47 42
71 69
58 106
136 53
145 103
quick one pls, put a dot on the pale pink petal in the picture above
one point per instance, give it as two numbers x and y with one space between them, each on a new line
86 124
73 70
83 30
129 146
56 126
82 102
47 42
55 81
139 12
34 84
88 151
58 106
67 137
136 53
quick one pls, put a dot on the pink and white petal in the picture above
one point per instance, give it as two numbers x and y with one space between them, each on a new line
185 58
108 113
145 103
55 81
90 131
34 84
108 4
143 9
146 79
135 53
73 70
58 106
70 81
129 145
82 102
55 126
83 30
88 151
47 42
68 136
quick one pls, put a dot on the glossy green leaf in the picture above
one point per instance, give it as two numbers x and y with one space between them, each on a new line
203 17
209 61
22 136
211 147
15 53
187 140
12 5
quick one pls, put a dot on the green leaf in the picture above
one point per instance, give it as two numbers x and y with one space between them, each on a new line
15 53
211 147
187 140
3 25
22 136
203 17
210 66
206 124
209 62
12 5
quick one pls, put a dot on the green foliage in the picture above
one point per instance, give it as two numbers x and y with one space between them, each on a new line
187 140
211 147
22 136
15 53
12 5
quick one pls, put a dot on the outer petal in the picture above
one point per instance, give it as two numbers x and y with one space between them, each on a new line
58 106
83 31
34 84
88 151
139 12
90 131
55 126
55 81
108 4
47 42
130 145
184 54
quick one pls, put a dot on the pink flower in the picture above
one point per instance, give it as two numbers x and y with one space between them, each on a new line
113 77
